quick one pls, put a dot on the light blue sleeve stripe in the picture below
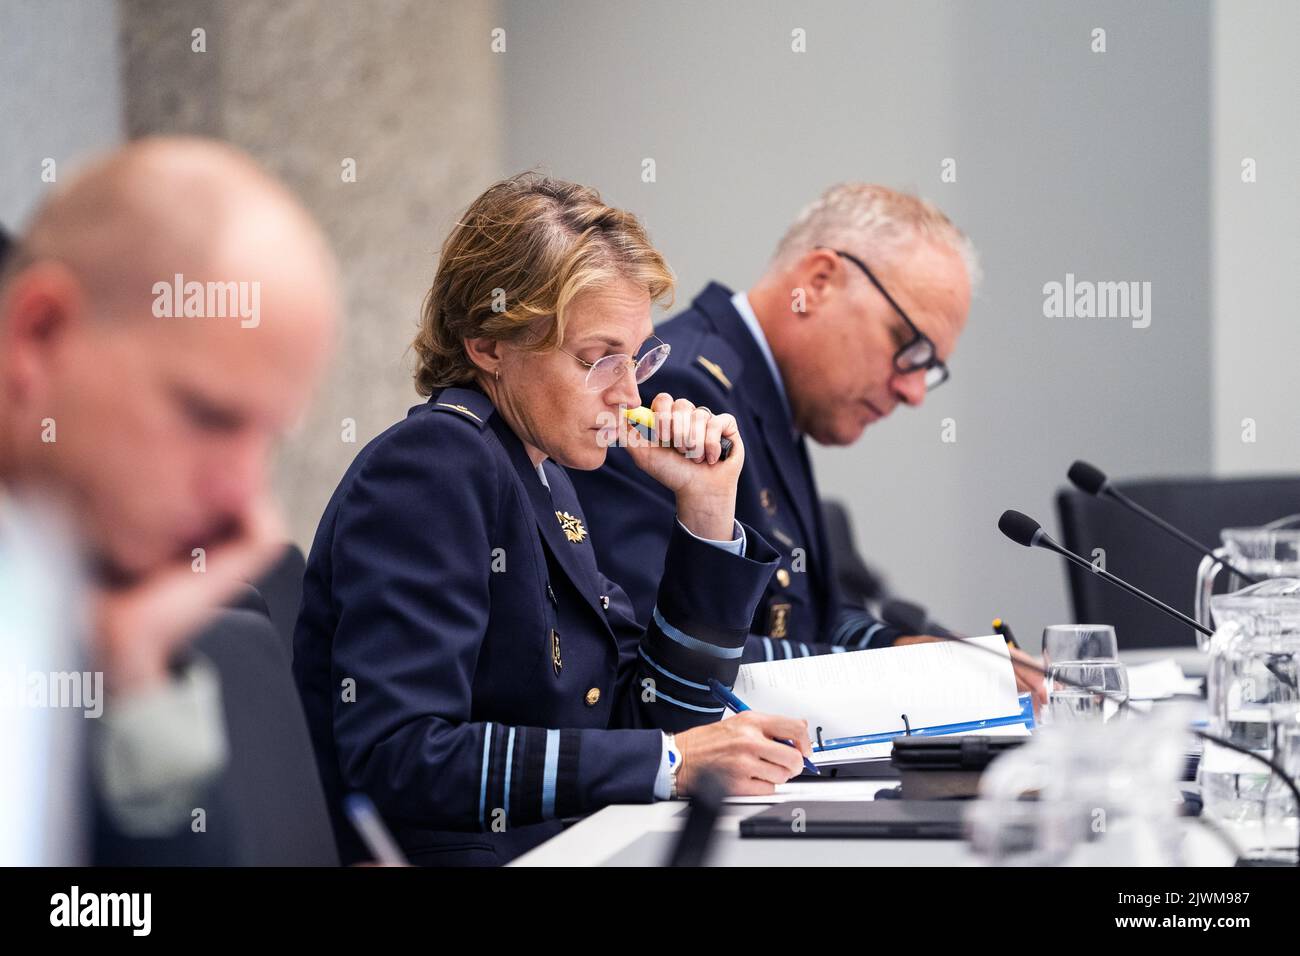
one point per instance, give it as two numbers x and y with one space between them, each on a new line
667 672
510 752
767 646
866 637
695 645
839 649
804 649
482 787
659 695
789 651
841 634
551 768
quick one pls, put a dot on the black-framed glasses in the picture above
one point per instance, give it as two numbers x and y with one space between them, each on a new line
918 353
606 371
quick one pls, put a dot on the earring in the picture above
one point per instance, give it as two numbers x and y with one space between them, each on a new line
497 373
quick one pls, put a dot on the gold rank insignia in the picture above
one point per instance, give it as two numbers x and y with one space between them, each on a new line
778 621
460 408
573 529
556 663
714 369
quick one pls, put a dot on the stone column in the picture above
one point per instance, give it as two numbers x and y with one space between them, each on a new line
407 91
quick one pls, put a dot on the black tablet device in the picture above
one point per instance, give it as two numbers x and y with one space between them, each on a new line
859 819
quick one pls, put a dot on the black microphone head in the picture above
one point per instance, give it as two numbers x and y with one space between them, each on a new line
907 617
1020 528
1088 478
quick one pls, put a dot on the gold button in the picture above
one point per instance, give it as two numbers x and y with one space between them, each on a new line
593 696
783 577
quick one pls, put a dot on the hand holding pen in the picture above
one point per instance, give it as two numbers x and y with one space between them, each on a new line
725 696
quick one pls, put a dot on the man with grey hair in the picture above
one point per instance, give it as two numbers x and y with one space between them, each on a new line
858 312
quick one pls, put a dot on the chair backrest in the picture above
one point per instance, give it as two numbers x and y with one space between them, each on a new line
281 589
857 582
1143 555
271 780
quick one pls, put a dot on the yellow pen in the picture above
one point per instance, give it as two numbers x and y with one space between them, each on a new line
643 420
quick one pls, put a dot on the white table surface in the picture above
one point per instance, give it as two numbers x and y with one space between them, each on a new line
643 835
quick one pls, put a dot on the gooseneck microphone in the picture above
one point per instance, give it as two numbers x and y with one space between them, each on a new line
1274 767
1093 481
1024 530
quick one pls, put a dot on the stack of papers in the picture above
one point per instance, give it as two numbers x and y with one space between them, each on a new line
856 703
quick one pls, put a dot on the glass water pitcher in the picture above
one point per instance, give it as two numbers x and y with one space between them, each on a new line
1271 551
1254 702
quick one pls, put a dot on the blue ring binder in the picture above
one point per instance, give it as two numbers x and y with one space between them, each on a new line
1026 717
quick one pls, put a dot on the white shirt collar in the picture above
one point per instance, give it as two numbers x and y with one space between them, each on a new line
740 302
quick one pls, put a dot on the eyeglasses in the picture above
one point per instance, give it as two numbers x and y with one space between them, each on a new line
918 353
606 371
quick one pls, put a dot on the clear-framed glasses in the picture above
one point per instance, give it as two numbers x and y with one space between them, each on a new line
606 371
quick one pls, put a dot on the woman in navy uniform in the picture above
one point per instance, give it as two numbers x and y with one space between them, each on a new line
461 658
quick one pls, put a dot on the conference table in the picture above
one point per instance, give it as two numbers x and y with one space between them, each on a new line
644 834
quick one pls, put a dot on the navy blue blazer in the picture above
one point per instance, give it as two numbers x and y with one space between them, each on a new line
463 660
715 362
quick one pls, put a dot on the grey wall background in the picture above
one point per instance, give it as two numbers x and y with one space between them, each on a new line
1067 161
408 90
60 92
1121 165
1256 235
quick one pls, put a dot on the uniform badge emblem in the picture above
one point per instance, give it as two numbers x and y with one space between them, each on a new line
556 663
573 529
779 620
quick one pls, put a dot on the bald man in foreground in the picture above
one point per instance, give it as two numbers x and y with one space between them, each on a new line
136 426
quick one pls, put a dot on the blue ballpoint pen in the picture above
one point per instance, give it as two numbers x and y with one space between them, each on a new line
725 696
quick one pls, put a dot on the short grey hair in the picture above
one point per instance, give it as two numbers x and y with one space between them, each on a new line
875 223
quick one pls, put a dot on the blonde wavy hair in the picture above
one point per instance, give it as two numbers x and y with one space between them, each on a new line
513 264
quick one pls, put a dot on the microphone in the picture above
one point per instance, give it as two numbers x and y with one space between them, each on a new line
696 838
643 420
1024 530
1029 525
907 617
1093 481
911 618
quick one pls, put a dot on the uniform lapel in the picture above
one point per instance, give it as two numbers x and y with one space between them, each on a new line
784 454
559 519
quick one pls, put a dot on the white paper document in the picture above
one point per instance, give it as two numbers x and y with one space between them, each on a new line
864 693
1159 680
